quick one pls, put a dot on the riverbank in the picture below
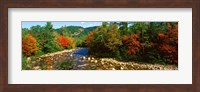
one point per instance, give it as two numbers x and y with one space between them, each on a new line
112 64
82 61
54 56
49 60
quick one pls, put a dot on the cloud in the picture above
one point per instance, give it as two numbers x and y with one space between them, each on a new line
82 22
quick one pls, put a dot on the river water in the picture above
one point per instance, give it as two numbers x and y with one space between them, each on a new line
78 53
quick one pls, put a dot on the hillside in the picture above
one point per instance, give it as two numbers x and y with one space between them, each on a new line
75 31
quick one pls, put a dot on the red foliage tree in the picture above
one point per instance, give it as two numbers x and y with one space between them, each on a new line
29 46
132 43
169 43
63 41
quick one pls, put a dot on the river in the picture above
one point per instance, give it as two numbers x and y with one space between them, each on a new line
78 53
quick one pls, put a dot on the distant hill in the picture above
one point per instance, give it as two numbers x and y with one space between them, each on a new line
74 29
87 30
77 31
81 35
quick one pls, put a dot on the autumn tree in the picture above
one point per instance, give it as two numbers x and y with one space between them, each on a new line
63 41
168 43
90 39
29 46
104 39
132 43
71 43
57 41
99 39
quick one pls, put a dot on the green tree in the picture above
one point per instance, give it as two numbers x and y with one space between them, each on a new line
48 43
113 39
105 39
123 27
64 31
37 28
49 26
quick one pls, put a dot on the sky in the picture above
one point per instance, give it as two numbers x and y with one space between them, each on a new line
28 24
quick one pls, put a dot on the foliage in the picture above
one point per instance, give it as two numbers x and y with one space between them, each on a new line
97 40
169 43
105 38
123 27
38 40
67 42
65 32
29 46
133 45
113 38
71 43
155 42
63 41
49 27
90 38
52 40
24 63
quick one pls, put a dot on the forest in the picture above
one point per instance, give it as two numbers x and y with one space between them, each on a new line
110 46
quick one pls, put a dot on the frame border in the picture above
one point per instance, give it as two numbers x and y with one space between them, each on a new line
5 4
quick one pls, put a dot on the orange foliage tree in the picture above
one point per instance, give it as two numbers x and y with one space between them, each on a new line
29 46
90 39
169 43
63 41
71 43
133 45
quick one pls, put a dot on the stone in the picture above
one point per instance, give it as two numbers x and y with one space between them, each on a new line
28 59
36 68
91 60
